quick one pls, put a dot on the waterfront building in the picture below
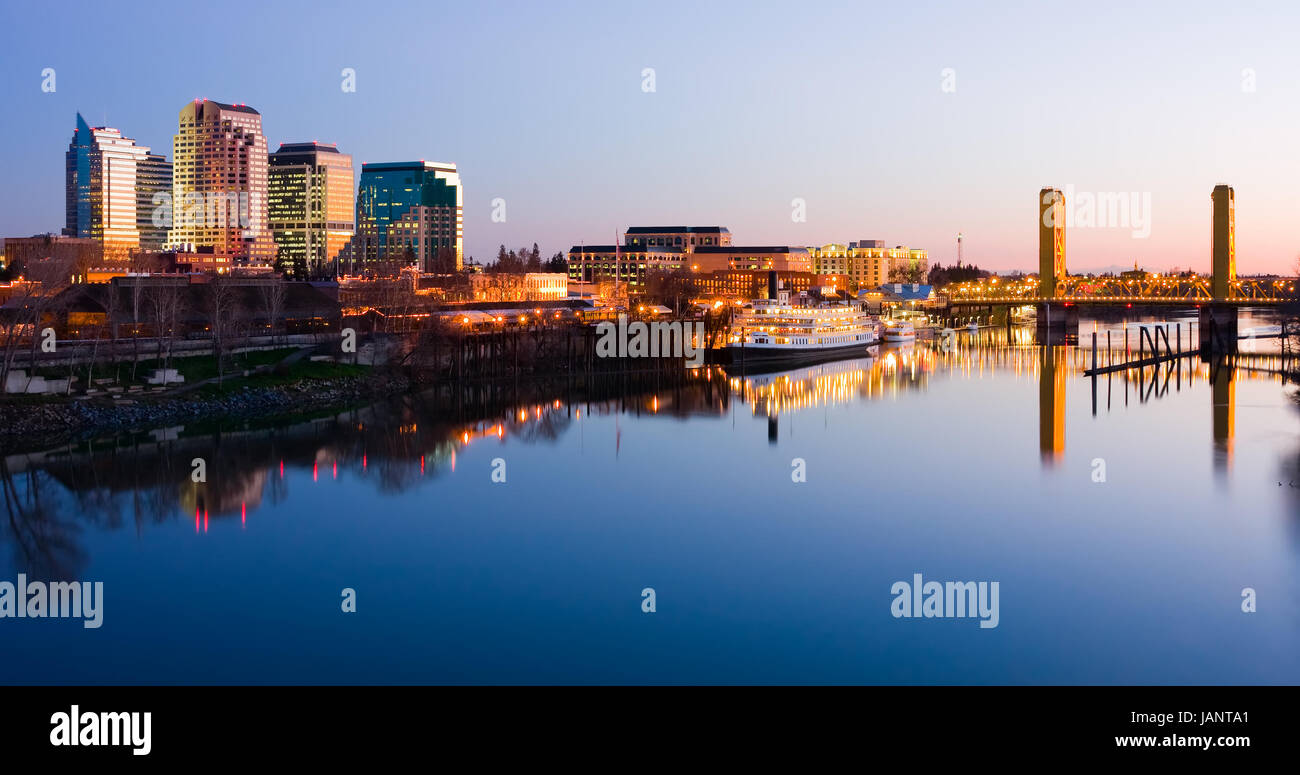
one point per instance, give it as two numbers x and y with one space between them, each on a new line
781 258
699 250
901 293
153 190
310 207
85 308
685 237
100 194
533 286
624 265
745 284
870 263
219 178
409 213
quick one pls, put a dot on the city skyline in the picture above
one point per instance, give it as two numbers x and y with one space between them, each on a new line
712 344
573 143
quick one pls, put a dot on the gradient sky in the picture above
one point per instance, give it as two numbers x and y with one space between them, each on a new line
756 104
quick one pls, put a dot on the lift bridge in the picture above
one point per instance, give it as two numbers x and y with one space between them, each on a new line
1057 297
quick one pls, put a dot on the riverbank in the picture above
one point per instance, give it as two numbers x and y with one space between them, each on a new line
34 423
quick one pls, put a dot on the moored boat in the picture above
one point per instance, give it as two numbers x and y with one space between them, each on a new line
899 331
781 332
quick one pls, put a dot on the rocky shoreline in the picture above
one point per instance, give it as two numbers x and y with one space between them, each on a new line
26 427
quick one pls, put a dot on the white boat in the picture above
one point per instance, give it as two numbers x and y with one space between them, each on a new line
1026 313
781 332
973 327
899 331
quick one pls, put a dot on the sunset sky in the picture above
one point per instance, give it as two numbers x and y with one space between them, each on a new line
755 105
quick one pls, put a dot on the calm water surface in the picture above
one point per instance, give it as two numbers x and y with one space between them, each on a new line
975 464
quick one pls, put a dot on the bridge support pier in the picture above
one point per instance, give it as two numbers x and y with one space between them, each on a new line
1058 317
1218 328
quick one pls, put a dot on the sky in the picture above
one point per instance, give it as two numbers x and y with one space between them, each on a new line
906 122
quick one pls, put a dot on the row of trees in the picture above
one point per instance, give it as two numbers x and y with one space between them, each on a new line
941 275
524 260
911 273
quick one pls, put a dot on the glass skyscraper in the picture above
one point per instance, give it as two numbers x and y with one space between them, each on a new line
153 177
410 213
100 199
310 204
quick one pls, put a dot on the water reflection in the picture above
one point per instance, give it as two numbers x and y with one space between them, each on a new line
52 498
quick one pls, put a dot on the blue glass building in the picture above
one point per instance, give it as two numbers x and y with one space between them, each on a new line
410 213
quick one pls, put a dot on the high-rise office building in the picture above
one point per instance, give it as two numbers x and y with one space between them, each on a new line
219 169
411 213
310 206
100 199
153 190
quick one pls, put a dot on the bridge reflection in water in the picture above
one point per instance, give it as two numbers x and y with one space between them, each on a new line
1224 393
1149 382
1051 403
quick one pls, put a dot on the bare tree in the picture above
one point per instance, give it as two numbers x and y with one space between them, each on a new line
109 303
223 313
112 311
271 296
165 304
18 313
669 287
35 300
137 301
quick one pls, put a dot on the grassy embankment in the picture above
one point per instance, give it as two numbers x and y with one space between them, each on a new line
199 368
